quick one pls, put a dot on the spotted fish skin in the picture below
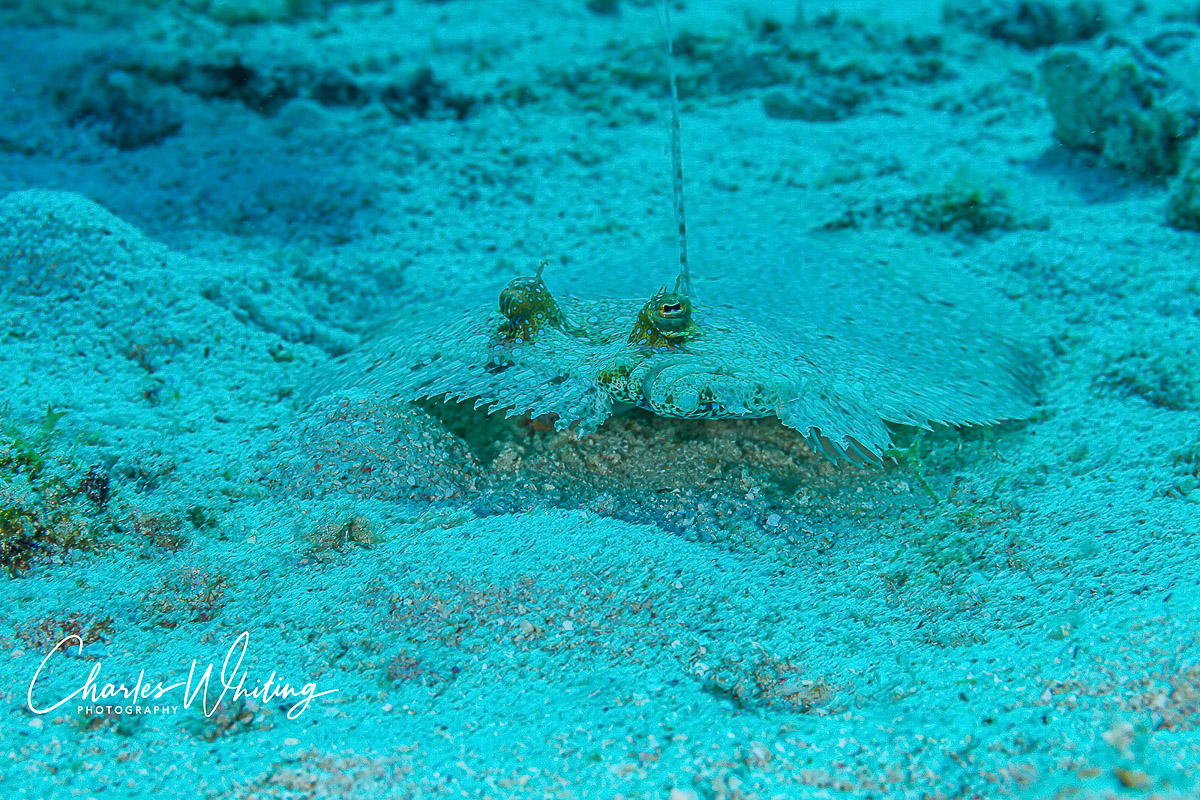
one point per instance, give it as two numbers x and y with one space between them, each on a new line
528 308
543 369
732 368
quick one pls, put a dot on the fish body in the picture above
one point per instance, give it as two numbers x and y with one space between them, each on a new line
585 360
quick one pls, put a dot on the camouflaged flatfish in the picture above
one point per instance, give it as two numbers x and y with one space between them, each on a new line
836 349
584 360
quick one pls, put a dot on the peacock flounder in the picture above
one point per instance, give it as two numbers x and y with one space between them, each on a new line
584 360
859 349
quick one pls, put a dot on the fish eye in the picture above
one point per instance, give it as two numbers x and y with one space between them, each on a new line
669 314
527 305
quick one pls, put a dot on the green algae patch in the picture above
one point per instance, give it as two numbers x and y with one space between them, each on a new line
48 504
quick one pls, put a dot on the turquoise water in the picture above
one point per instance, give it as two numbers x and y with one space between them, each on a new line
261 536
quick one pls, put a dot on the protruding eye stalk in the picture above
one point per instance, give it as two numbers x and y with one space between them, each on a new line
664 321
528 306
